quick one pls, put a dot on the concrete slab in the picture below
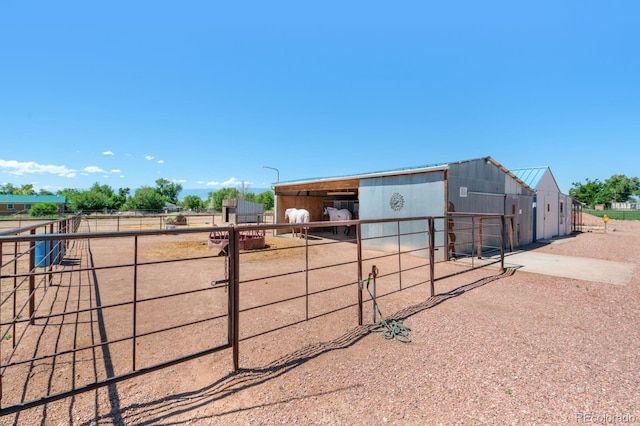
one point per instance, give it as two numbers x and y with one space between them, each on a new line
579 268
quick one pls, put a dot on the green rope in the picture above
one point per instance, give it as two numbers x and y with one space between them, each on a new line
393 329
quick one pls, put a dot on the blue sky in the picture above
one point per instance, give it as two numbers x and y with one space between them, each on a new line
204 93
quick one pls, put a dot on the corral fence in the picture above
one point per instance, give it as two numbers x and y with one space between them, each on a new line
82 309
125 221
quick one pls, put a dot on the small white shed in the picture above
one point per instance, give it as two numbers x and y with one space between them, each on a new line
552 208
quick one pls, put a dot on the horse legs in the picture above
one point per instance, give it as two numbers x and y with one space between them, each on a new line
347 229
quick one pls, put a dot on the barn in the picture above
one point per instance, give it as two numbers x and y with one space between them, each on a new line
551 208
479 185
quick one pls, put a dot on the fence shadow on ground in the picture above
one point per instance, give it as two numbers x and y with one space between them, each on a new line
161 410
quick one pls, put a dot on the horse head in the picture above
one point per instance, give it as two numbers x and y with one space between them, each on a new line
329 210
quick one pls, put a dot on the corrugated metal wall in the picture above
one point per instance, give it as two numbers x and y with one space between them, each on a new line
249 212
411 195
479 186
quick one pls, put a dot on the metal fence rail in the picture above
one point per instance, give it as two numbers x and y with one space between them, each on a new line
117 297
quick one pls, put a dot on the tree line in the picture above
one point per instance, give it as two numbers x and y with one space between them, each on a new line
616 189
103 197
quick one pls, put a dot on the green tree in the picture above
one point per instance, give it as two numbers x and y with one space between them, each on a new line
589 193
169 190
7 188
145 198
619 188
25 190
192 202
105 190
87 201
215 198
267 199
116 201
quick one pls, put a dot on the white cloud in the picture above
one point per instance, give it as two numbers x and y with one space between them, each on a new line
93 169
108 153
160 161
148 157
30 167
229 182
116 171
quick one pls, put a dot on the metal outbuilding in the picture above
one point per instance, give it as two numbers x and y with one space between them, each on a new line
473 186
237 210
552 209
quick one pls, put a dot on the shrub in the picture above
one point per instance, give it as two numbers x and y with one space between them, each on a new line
43 209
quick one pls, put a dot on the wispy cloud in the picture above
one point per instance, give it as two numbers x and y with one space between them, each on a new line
160 161
107 153
30 167
229 182
148 157
93 169
116 171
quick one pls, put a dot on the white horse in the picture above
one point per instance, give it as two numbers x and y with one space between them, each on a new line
337 215
297 216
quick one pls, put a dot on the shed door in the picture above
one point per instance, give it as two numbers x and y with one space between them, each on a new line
550 215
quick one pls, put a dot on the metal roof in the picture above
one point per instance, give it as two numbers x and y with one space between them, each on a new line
530 175
402 171
32 199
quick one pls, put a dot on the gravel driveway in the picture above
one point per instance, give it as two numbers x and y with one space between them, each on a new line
490 348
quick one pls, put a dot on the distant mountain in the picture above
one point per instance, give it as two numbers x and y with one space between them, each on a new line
204 192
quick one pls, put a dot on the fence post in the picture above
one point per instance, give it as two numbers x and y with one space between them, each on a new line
234 294
360 282
399 258
50 255
135 302
473 241
502 245
479 238
511 232
432 257
32 277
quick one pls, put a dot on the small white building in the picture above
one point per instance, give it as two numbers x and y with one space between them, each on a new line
552 209
629 205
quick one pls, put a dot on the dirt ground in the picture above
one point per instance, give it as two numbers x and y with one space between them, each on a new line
489 348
